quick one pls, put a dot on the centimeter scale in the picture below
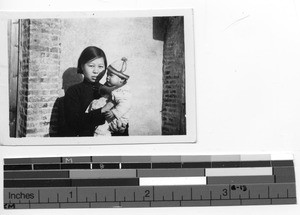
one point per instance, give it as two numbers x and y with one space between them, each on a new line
148 181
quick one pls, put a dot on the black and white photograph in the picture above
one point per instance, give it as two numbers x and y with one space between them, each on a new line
101 77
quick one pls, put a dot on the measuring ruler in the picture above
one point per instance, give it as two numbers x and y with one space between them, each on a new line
148 181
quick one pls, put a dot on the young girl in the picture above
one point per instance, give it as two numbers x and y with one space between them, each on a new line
114 105
92 65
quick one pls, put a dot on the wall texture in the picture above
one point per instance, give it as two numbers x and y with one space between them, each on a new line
39 74
23 78
173 111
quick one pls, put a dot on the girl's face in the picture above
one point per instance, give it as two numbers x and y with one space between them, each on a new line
92 69
113 80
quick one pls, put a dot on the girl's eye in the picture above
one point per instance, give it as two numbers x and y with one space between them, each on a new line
91 65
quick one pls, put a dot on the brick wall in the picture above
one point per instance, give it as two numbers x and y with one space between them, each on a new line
23 78
39 80
173 106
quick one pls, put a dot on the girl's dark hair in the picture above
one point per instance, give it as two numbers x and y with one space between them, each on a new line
88 54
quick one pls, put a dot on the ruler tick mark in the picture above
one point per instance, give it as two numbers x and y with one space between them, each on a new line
39 199
133 196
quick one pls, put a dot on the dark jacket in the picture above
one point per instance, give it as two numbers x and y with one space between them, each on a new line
76 100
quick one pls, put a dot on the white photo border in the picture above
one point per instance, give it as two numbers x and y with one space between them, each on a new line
190 79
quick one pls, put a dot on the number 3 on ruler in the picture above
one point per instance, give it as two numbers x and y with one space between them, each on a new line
225 192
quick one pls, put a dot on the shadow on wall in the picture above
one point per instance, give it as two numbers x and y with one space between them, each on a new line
57 122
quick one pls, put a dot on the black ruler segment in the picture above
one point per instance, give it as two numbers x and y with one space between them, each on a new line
76 166
283 163
46 166
17 167
196 165
36 174
148 181
71 182
226 164
136 166
105 165
166 165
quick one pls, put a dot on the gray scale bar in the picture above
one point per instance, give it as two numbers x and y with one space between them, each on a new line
166 159
113 159
170 172
32 160
76 159
240 179
136 159
284 174
103 173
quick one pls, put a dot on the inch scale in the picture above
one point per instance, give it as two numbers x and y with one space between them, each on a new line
150 196
148 181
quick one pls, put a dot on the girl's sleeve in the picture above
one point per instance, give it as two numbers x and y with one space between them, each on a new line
122 99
